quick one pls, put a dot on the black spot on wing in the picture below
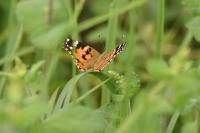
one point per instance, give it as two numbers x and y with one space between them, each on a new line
83 56
87 52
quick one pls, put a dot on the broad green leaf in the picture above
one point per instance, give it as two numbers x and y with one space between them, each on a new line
159 69
192 6
44 33
31 111
185 88
194 28
189 127
74 119
145 111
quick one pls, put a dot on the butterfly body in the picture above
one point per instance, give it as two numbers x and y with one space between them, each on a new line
87 58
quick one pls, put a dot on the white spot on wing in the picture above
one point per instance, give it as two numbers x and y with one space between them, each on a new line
76 43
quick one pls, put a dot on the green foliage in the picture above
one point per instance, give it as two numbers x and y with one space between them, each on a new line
44 32
193 9
152 86
194 28
126 85
74 119
159 69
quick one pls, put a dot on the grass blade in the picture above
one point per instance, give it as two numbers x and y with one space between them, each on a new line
66 93
172 122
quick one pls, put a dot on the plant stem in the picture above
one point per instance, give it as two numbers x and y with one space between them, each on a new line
160 26
50 11
100 19
90 91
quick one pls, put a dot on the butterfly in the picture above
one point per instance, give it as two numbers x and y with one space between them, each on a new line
88 58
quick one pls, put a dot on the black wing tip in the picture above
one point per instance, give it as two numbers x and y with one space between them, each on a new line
68 45
68 42
120 48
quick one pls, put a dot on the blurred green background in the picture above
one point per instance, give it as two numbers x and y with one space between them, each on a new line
152 86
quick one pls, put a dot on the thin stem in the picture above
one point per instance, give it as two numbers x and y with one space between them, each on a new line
50 11
90 91
186 41
78 9
100 19
160 26
18 54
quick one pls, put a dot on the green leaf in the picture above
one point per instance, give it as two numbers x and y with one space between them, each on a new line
192 6
127 85
194 28
32 73
74 119
185 88
32 111
66 93
65 96
189 127
132 85
52 101
34 16
158 69
173 122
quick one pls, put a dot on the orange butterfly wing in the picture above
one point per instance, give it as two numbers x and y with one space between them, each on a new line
107 58
87 58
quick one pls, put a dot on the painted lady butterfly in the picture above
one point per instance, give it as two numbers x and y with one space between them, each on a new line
87 58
